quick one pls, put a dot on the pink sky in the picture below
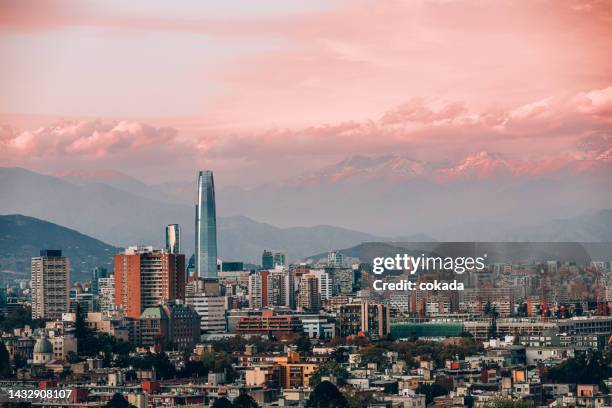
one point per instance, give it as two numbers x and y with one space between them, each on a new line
260 91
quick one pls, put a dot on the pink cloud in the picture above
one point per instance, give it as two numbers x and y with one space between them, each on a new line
535 138
84 138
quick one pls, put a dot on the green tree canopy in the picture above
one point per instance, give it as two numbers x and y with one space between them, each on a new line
508 403
303 344
330 368
326 395
118 401
245 401
5 368
431 391
588 368
222 403
374 354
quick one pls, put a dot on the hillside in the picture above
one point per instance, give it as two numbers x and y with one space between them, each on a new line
22 237
122 218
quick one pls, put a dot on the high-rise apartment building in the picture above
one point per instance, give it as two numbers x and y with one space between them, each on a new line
335 259
106 294
281 288
258 289
145 277
271 260
267 259
98 273
325 283
50 285
343 279
280 259
309 297
173 239
206 227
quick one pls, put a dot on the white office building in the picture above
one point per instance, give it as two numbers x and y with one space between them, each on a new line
211 310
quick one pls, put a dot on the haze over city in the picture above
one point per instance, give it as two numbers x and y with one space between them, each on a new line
411 111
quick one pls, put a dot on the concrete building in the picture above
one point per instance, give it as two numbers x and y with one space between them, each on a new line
272 260
371 319
146 277
106 294
318 327
63 344
281 288
211 310
325 283
172 325
269 323
98 273
335 259
50 285
258 289
309 298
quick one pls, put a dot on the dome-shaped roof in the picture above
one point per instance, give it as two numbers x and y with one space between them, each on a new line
43 345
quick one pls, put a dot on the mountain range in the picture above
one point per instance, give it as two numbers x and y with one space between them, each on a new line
23 237
122 218
393 198
396 195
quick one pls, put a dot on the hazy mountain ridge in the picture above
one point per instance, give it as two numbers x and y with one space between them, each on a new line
122 218
394 195
23 237
482 165
483 210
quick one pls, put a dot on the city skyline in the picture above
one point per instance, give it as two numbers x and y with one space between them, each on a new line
397 204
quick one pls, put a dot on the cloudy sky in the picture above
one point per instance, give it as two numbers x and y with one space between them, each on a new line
264 90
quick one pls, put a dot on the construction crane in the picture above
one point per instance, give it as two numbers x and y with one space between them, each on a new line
600 306
544 294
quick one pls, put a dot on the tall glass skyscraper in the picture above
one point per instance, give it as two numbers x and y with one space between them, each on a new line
206 227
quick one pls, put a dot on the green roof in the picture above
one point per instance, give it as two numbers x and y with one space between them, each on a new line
43 346
408 330
152 313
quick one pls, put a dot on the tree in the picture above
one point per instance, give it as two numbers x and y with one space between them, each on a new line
493 326
521 311
194 369
359 399
222 403
80 327
588 368
431 391
19 317
508 403
72 357
487 308
330 368
326 395
303 344
374 355
578 311
118 401
5 368
245 401
340 355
